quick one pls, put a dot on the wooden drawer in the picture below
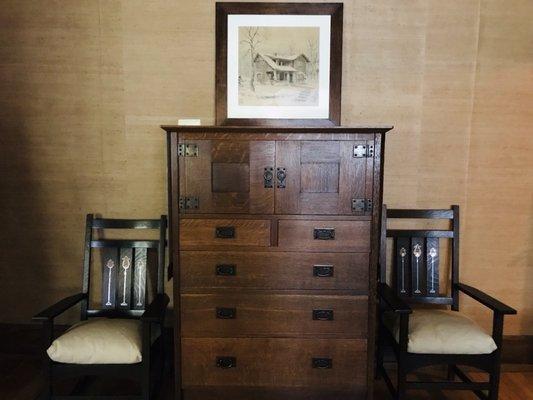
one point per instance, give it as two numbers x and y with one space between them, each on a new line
274 270
275 315
199 233
318 235
274 362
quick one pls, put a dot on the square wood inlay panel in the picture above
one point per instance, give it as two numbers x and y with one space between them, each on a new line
230 177
320 178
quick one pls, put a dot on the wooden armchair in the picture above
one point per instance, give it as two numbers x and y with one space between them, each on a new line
433 335
119 339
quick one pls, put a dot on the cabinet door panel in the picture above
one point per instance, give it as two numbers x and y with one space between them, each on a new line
322 177
226 176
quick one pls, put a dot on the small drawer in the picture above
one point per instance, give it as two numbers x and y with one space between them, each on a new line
269 362
321 235
198 232
274 270
275 315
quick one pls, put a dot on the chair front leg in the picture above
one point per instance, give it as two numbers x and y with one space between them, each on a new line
497 335
47 338
146 359
402 353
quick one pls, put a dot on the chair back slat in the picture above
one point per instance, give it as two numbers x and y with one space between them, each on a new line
416 258
124 273
432 266
109 277
139 278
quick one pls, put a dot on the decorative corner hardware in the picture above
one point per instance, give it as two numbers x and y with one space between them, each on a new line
363 151
187 203
187 150
362 205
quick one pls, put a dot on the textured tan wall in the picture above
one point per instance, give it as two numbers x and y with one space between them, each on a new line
85 85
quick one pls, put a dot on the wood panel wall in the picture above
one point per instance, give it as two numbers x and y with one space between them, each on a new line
84 86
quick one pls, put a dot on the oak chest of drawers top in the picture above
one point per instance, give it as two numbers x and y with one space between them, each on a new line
274 245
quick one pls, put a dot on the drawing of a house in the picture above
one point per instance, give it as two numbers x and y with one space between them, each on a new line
274 67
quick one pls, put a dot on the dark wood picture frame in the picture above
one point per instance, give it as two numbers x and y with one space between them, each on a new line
335 10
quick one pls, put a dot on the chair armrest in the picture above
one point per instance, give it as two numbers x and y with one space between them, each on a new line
485 299
155 312
392 300
59 307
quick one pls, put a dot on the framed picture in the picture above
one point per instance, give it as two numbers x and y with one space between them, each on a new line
278 64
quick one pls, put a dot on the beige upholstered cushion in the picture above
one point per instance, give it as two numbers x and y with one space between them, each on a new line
99 341
442 332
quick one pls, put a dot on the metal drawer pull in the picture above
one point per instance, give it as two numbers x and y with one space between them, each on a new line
225 232
323 315
268 177
324 234
226 270
322 363
281 174
226 362
226 313
323 271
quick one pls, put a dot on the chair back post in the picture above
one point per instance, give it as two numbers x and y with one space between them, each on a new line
455 258
383 246
86 265
161 255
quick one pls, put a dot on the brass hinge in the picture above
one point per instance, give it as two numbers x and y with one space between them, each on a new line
363 150
186 203
361 205
187 150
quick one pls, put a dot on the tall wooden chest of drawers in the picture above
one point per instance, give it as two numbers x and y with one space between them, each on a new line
274 237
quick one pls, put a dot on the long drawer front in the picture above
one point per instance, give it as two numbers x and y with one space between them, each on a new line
274 270
262 362
274 315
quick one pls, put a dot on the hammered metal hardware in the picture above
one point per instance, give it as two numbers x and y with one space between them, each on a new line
323 271
322 363
362 205
226 270
187 150
225 232
281 174
185 203
324 234
363 150
226 362
226 313
268 177
323 315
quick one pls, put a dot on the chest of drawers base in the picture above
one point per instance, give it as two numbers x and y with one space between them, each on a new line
274 248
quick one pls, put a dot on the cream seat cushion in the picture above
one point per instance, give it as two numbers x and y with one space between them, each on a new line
442 332
99 341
